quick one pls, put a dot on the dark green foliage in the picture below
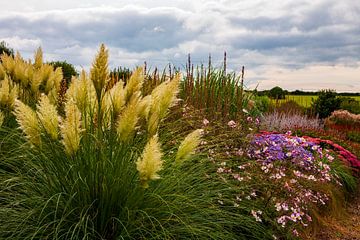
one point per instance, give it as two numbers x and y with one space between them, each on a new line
326 103
67 68
122 73
354 136
350 104
262 103
4 48
277 93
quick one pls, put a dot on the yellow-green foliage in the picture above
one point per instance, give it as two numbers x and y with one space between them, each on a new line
26 81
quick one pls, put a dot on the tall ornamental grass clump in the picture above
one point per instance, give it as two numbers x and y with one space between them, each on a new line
27 81
99 171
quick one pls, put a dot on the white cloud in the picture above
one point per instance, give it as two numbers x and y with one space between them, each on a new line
262 35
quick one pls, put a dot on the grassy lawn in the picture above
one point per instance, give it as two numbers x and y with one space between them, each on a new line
304 101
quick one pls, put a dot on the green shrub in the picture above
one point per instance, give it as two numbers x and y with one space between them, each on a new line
4 48
326 103
350 104
67 68
354 136
277 93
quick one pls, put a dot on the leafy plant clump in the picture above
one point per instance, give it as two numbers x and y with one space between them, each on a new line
98 171
326 103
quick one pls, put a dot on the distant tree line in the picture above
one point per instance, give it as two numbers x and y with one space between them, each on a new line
277 91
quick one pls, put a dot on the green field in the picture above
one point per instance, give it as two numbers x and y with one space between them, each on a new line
302 100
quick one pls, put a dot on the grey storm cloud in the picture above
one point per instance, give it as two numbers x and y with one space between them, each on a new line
127 28
254 32
137 29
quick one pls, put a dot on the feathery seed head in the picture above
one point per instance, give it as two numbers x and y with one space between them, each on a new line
2 72
28 121
188 146
48 116
163 97
128 119
71 128
99 71
144 106
8 94
117 94
135 83
150 163
54 80
8 63
38 58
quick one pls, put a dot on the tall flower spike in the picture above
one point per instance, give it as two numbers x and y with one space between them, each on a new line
71 128
99 70
48 117
150 163
188 146
135 83
28 121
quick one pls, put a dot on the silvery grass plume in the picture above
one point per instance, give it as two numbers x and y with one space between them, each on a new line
150 163
48 117
114 100
28 122
83 93
163 97
282 122
135 83
8 93
71 128
128 119
38 58
188 146
99 72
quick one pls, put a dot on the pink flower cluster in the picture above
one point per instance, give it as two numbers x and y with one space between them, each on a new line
343 153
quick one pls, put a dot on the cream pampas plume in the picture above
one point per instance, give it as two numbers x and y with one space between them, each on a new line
99 72
38 58
163 97
188 146
150 163
48 117
128 119
28 121
71 128
8 94
135 83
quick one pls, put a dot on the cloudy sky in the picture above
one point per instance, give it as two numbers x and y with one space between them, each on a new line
296 44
